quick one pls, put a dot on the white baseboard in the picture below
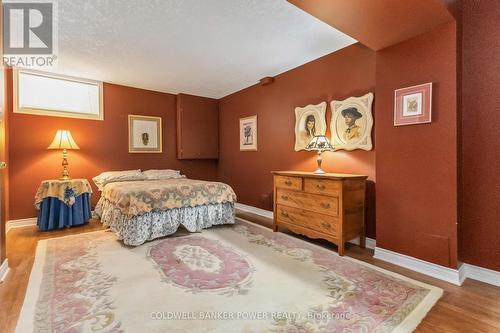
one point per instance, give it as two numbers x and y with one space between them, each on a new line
254 210
455 276
481 274
4 270
20 223
436 271
370 243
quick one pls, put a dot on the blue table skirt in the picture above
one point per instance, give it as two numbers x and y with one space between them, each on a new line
55 214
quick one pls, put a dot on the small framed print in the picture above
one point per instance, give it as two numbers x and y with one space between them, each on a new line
144 134
413 105
248 133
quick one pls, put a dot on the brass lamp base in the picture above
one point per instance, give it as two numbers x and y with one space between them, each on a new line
65 173
319 171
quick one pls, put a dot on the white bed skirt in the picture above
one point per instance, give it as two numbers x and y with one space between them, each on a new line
138 229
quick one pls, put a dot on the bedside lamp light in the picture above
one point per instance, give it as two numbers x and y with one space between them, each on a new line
320 144
63 140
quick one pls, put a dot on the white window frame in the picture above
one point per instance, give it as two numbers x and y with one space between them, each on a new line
56 113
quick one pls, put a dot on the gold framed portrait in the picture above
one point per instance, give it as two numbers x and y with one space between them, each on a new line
352 122
144 134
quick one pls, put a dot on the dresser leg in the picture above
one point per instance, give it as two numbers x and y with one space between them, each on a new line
341 249
275 227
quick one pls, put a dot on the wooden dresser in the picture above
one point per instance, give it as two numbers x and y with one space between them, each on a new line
329 206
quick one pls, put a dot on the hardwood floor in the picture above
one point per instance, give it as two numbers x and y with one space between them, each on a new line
474 307
21 246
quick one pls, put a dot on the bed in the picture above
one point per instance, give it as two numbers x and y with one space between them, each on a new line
140 210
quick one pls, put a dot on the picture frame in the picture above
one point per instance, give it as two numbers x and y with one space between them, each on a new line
144 134
413 105
352 123
248 133
310 121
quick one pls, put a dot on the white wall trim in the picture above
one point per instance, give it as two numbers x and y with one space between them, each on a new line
4 270
436 271
20 223
455 276
254 210
369 242
481 274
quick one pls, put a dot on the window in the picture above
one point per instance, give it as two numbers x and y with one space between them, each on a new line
49 94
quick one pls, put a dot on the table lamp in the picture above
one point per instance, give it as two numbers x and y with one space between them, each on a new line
63 140
320 144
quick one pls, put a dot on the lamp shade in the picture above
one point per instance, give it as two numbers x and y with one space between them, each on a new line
63 140
319 142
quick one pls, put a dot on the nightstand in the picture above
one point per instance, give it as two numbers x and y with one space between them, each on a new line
63 203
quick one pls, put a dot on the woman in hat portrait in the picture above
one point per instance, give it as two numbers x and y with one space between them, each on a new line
352 122
353 131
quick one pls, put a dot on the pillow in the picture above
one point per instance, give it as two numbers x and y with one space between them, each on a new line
117 176
162 174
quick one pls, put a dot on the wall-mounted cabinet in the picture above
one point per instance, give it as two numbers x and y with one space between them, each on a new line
197 127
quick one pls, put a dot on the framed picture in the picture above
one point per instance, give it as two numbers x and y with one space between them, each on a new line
144 134
413 105
309 122
248 133
352 123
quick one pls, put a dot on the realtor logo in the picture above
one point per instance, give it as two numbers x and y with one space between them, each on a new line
29 33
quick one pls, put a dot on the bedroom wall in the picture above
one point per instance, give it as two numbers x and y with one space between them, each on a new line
480 230
345 73
417 165
103 144
4 176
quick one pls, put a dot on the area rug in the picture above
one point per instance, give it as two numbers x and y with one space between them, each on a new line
234 278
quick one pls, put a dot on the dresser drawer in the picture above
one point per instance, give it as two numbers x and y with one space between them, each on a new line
304 218
323 186
292 183
318 203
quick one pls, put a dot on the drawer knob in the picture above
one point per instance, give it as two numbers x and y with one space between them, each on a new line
326 225
325 205
284 197
320 186
285 214
288 182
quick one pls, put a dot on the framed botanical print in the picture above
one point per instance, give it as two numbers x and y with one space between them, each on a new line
309 122
248 133
413 105
352 122
144 134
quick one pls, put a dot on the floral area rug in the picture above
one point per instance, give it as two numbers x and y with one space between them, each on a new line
232 278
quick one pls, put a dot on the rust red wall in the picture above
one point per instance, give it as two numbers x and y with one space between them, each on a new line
348 72
417 165
4 156
480 228
103 144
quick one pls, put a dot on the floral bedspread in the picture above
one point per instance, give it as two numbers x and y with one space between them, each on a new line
64 190
139 197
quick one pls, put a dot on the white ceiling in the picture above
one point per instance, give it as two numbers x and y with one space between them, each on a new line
203 47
